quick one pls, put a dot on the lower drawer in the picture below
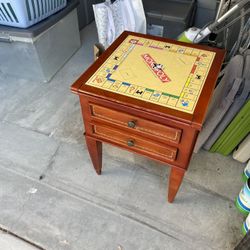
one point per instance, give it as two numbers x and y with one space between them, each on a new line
135 141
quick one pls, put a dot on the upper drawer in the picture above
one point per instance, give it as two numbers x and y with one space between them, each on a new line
140 124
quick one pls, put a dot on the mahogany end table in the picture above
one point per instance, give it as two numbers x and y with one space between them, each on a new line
148 95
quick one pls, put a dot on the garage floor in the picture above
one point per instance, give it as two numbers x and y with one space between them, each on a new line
51 196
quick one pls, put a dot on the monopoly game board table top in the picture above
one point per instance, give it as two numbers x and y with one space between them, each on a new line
151 72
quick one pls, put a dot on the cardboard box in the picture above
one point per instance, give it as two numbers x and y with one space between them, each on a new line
98 50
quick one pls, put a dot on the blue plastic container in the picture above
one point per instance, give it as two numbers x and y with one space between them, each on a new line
246 172
243 199
25 13
246 225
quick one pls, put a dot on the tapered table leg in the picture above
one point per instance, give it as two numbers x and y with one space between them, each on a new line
95 152
174 182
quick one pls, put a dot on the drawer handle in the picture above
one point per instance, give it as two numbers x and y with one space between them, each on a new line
131 124
130 143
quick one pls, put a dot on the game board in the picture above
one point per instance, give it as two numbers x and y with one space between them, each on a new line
161 73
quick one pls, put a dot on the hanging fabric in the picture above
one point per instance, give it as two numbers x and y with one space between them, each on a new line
113 17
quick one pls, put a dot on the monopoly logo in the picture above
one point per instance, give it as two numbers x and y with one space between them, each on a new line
156 68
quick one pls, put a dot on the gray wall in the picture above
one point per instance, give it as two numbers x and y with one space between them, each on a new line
85 12
206 12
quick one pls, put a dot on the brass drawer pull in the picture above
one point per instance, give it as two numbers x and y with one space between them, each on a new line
131 124
130 143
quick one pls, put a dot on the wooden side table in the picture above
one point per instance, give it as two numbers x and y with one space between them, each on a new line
148 95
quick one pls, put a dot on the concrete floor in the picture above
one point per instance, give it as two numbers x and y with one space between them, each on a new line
10 242
51 196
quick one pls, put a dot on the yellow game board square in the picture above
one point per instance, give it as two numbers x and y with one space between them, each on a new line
189 96
203 65
172 101
107 85
139 92
185 104
125 49
167 46
197 81
200 72
204 60
174 48
155 44
103 74
202 69
181 50
115 85
142 41
161 45
123 87
195 52
188 51
98 80
104 71
205 55
108 67
155 96
148 42
131 89
119 53
164 99
194 86
147 94
190 91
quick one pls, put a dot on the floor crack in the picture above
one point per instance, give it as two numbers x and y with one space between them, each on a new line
4 230
50 164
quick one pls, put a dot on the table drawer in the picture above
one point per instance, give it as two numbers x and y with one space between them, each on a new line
135 141
139 124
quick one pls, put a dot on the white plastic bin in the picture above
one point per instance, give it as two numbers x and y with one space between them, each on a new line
24 13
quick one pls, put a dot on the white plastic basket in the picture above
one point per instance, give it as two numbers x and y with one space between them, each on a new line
24 13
